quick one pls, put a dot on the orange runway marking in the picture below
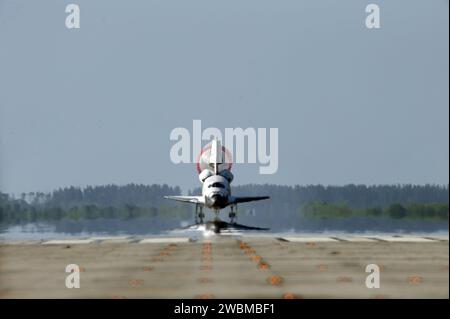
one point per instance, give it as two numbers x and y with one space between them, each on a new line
311 244
205 280
166 251
243 245
263 265
136 282
379 297
204 296
249 251
80 269
147 269
275 280
322 267
206 259
291 296
206 267
256 258
415 280
344 279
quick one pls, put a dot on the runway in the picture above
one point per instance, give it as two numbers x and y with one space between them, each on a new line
236 266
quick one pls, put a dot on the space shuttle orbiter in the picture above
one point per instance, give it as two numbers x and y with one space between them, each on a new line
214 168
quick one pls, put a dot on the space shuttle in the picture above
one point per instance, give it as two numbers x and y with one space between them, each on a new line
214 169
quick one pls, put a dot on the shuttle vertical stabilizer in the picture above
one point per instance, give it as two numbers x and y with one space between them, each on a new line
216 156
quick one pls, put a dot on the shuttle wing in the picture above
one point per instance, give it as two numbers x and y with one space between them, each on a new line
236 200
187 199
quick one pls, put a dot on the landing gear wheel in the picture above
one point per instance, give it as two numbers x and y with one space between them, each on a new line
199 215
232 215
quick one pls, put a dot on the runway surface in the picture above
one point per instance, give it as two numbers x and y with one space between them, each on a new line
236 266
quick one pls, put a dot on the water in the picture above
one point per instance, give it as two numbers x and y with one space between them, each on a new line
144 227
86 228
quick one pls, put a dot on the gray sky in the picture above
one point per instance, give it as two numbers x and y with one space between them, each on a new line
96 105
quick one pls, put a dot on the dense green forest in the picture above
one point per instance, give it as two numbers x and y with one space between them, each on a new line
111 201
436 211
286 205
104 195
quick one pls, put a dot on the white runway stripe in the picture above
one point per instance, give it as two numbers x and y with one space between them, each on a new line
157 240
295 239
113 240
355 239
110 238
438 238
68 242
405 239
309 239
394 239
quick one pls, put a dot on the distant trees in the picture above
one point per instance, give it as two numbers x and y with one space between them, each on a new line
356 196
286 204
396 211
15 214
113 195
109 201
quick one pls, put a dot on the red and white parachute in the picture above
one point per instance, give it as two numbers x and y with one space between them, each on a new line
206 159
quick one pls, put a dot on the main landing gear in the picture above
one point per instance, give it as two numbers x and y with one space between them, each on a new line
199 215
233 214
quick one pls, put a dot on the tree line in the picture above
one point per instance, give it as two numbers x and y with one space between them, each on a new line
435 211
104 195
286 203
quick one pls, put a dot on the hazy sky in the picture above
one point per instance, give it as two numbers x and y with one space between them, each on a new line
96 105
